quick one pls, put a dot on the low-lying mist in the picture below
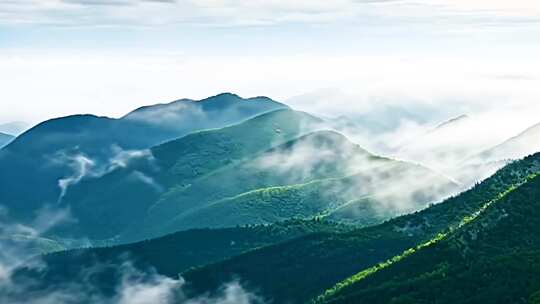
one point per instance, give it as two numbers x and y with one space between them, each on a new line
23 274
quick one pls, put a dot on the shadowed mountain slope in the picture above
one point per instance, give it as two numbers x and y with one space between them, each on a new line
169 255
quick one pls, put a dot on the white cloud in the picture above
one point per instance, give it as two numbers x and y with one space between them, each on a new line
83 166
516 7
115 83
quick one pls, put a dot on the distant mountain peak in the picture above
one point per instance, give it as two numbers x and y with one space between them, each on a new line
530 129
14 128
227 96
224 95
5 139
525 143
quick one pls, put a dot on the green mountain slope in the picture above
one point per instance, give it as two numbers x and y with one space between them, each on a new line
493 257
356 199
296 270
70 147
257 172
278 272
254 171
169 183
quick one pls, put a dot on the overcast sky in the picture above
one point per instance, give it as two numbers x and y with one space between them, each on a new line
59 57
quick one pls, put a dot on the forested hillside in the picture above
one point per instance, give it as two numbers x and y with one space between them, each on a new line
169 255
268 169
330 258
493 257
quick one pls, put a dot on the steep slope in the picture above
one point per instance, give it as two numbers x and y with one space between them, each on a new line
60 152
493 257
279 272
5 139
168 180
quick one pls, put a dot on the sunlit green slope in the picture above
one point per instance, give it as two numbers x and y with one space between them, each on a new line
331 258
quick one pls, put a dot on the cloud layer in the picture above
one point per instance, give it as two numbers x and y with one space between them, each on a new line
241 13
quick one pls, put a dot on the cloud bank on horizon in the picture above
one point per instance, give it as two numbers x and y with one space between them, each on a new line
243 13
109 57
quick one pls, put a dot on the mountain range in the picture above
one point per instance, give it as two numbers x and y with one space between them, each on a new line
461 149
57 153
267 169
204 193
444 247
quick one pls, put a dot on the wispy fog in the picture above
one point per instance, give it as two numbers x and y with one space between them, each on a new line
387 186
83 166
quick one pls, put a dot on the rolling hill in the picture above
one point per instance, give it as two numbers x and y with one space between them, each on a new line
356 199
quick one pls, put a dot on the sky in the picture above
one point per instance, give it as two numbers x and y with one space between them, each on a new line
61 57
